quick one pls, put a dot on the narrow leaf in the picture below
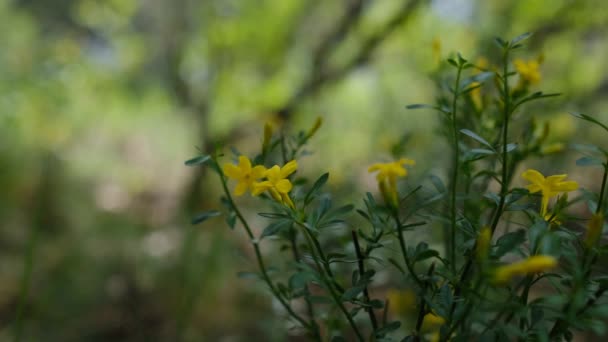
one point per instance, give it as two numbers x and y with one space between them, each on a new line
197 160
202 217
476 137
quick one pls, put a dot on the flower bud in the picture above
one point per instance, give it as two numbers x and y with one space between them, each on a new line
594 230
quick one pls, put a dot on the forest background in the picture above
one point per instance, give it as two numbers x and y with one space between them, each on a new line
101 102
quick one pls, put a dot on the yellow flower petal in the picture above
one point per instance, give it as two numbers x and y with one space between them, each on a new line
289 168
533 176
244 164
241 188
232 171
258 172
283 186
566 186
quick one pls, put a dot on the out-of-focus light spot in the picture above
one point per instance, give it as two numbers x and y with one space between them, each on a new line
111 197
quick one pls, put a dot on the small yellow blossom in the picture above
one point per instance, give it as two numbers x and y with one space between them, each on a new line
534 264
483 244
244 174
594 230
432 322
387 177
401 302
277 183
481 64
552 148
549 187
528 70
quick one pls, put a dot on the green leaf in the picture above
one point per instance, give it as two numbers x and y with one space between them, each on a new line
588 161
521 38
419 106
438 184
500 42
476 137
202 217
275 227
300 279
197 160
482 151
388 328
590 119
427 254
316 187
352 293
508 242
396 264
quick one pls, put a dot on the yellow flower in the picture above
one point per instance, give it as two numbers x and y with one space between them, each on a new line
277 183
387 177
401 302
244 174
431 322
534 264
552 148
528 70
549 187
594 230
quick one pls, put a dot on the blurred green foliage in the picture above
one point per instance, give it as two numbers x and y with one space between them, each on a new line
102 101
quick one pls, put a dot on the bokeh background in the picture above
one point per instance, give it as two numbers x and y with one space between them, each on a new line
102 101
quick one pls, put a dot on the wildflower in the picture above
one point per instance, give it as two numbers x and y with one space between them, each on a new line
244 174
481 65
549 187
432 322
483 244
277 183
552 148
594 230
402 302
528 70
387 177
534 264
315 127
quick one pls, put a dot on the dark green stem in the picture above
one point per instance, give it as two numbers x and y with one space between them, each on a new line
452 245
402 246
602 190
505 130
328 282
296 257
361 264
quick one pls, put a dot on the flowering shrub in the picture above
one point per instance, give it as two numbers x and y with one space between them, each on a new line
513 265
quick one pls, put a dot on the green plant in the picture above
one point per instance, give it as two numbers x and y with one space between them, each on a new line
497 246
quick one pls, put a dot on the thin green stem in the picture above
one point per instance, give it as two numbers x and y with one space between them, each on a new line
455 166
328 282
505 130
310 326
296 257
28 266
602 190
361 264
402 246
